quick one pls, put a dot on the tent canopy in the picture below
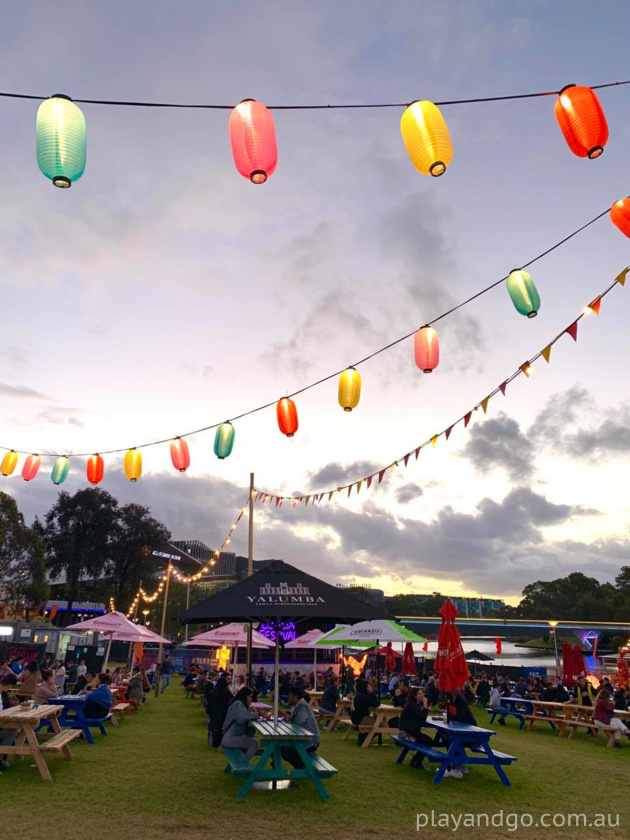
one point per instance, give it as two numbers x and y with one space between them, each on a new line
281 591
231 635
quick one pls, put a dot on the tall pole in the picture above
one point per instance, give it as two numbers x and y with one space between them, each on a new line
164 608
553 625
250 571
187 607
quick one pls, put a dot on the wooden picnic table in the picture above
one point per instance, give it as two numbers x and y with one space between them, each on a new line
545 711
25 722
342 710
274 736
314 697
380 723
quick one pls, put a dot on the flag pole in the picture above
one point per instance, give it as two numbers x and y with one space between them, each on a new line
158 671
250 571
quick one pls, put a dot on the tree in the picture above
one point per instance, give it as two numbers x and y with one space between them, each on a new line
77 532
22 559
415 605
130 559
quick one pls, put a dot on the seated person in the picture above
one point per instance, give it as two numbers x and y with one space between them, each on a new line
458 711
7 736
412 718
236 722
328 703
83 681
496 705
302 715
99 702
29 680
46 689
364 700
604 715
135 689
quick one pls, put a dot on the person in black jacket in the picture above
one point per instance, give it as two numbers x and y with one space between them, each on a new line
328 703
364 700
218 703
483 691
412 718
621 699
431 691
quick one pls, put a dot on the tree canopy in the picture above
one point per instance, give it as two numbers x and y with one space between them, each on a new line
22 559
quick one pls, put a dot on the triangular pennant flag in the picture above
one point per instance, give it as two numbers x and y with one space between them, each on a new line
369 481
595 305
278 501
264 498
295 501
407 458
418 452
467 418
621 278
380 476
502 387
546 353
330 495
359 483
484 404
447 433
572 330
306 500
349 490
434 440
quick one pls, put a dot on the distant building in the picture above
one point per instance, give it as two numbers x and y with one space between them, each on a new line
364 589
466 607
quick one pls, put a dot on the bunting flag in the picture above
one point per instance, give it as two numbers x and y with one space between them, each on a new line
525 368
306 500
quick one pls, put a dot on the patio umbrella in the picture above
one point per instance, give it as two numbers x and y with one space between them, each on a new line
580 667
381 652
390 660
569 665
409 661
232 635
117 627
450 661
280 591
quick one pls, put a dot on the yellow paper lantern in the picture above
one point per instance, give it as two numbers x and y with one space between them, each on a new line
133 464
349 389
9 463
426 138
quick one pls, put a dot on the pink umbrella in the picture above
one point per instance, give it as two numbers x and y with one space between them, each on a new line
117 627
229 635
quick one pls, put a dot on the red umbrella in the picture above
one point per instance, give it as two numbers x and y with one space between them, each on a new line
409 661
450 661
382 652
390 659
569 665
579 661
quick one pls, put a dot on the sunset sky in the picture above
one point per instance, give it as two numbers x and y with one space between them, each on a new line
164 292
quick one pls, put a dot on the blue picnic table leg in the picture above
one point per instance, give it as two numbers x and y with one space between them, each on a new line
492 717
454 755
312 772
493 760
82 725
258 768
403 755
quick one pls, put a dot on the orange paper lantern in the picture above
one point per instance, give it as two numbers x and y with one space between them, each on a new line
287 416
582 121
31 467
426 346
180 456
95 468
9 463
620 215
253 139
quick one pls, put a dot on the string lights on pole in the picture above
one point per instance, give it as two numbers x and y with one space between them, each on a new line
520 287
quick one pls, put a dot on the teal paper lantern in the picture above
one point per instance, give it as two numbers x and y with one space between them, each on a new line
60 470
224 440
523 292
61 144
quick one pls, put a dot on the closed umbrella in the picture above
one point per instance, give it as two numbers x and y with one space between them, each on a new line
580 667
569 665
409 661
450 661
390 660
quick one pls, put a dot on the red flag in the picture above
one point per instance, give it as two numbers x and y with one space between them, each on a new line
467 418
349 490
572 330
425 647
369 481
407 458
448 432
418 452
380 476
502 387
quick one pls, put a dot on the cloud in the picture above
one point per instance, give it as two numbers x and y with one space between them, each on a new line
58 416
15 357
337 475
408 493
500 443
22 392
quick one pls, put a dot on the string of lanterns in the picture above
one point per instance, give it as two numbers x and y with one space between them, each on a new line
61 136
526 369
521 290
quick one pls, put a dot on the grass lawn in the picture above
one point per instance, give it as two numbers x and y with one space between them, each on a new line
155 777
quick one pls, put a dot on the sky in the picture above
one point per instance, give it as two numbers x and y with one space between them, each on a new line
164 292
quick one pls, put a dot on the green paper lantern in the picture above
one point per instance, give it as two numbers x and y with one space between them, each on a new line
523 292
60 470
224 440
61 144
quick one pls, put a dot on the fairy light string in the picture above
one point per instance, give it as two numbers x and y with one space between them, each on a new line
524 369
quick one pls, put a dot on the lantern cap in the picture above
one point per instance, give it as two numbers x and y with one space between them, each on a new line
566 87
437 168
62 182
258 176
60 96
595 152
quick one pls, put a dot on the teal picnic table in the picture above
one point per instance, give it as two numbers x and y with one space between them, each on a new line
274 736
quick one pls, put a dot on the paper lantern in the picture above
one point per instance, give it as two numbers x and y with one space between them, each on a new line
61 145
349 389
620 215
287 416
426 138
523 292
31 467
60 470
95 468
224 440
426 346
133 464
9 463
253 139
180 456
582 121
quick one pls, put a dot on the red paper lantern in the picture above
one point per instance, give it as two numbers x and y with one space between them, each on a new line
582 121
620 215
287 416
180 456
426 346
31 467
253 139
95 469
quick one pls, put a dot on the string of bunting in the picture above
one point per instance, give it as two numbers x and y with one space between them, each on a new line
525 369
520 287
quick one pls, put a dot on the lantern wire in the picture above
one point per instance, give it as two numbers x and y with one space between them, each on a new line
132 104
330 375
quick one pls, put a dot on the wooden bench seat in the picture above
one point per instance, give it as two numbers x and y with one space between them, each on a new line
238 763
542 718
583 724
323 767
57 742
518 715
120 709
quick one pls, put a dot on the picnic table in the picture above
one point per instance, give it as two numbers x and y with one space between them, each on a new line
72 715
314 697
274 736
25 722
461 743
379 726
342 711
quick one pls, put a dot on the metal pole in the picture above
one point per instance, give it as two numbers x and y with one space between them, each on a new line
276 687
187 607
250 571
164 608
